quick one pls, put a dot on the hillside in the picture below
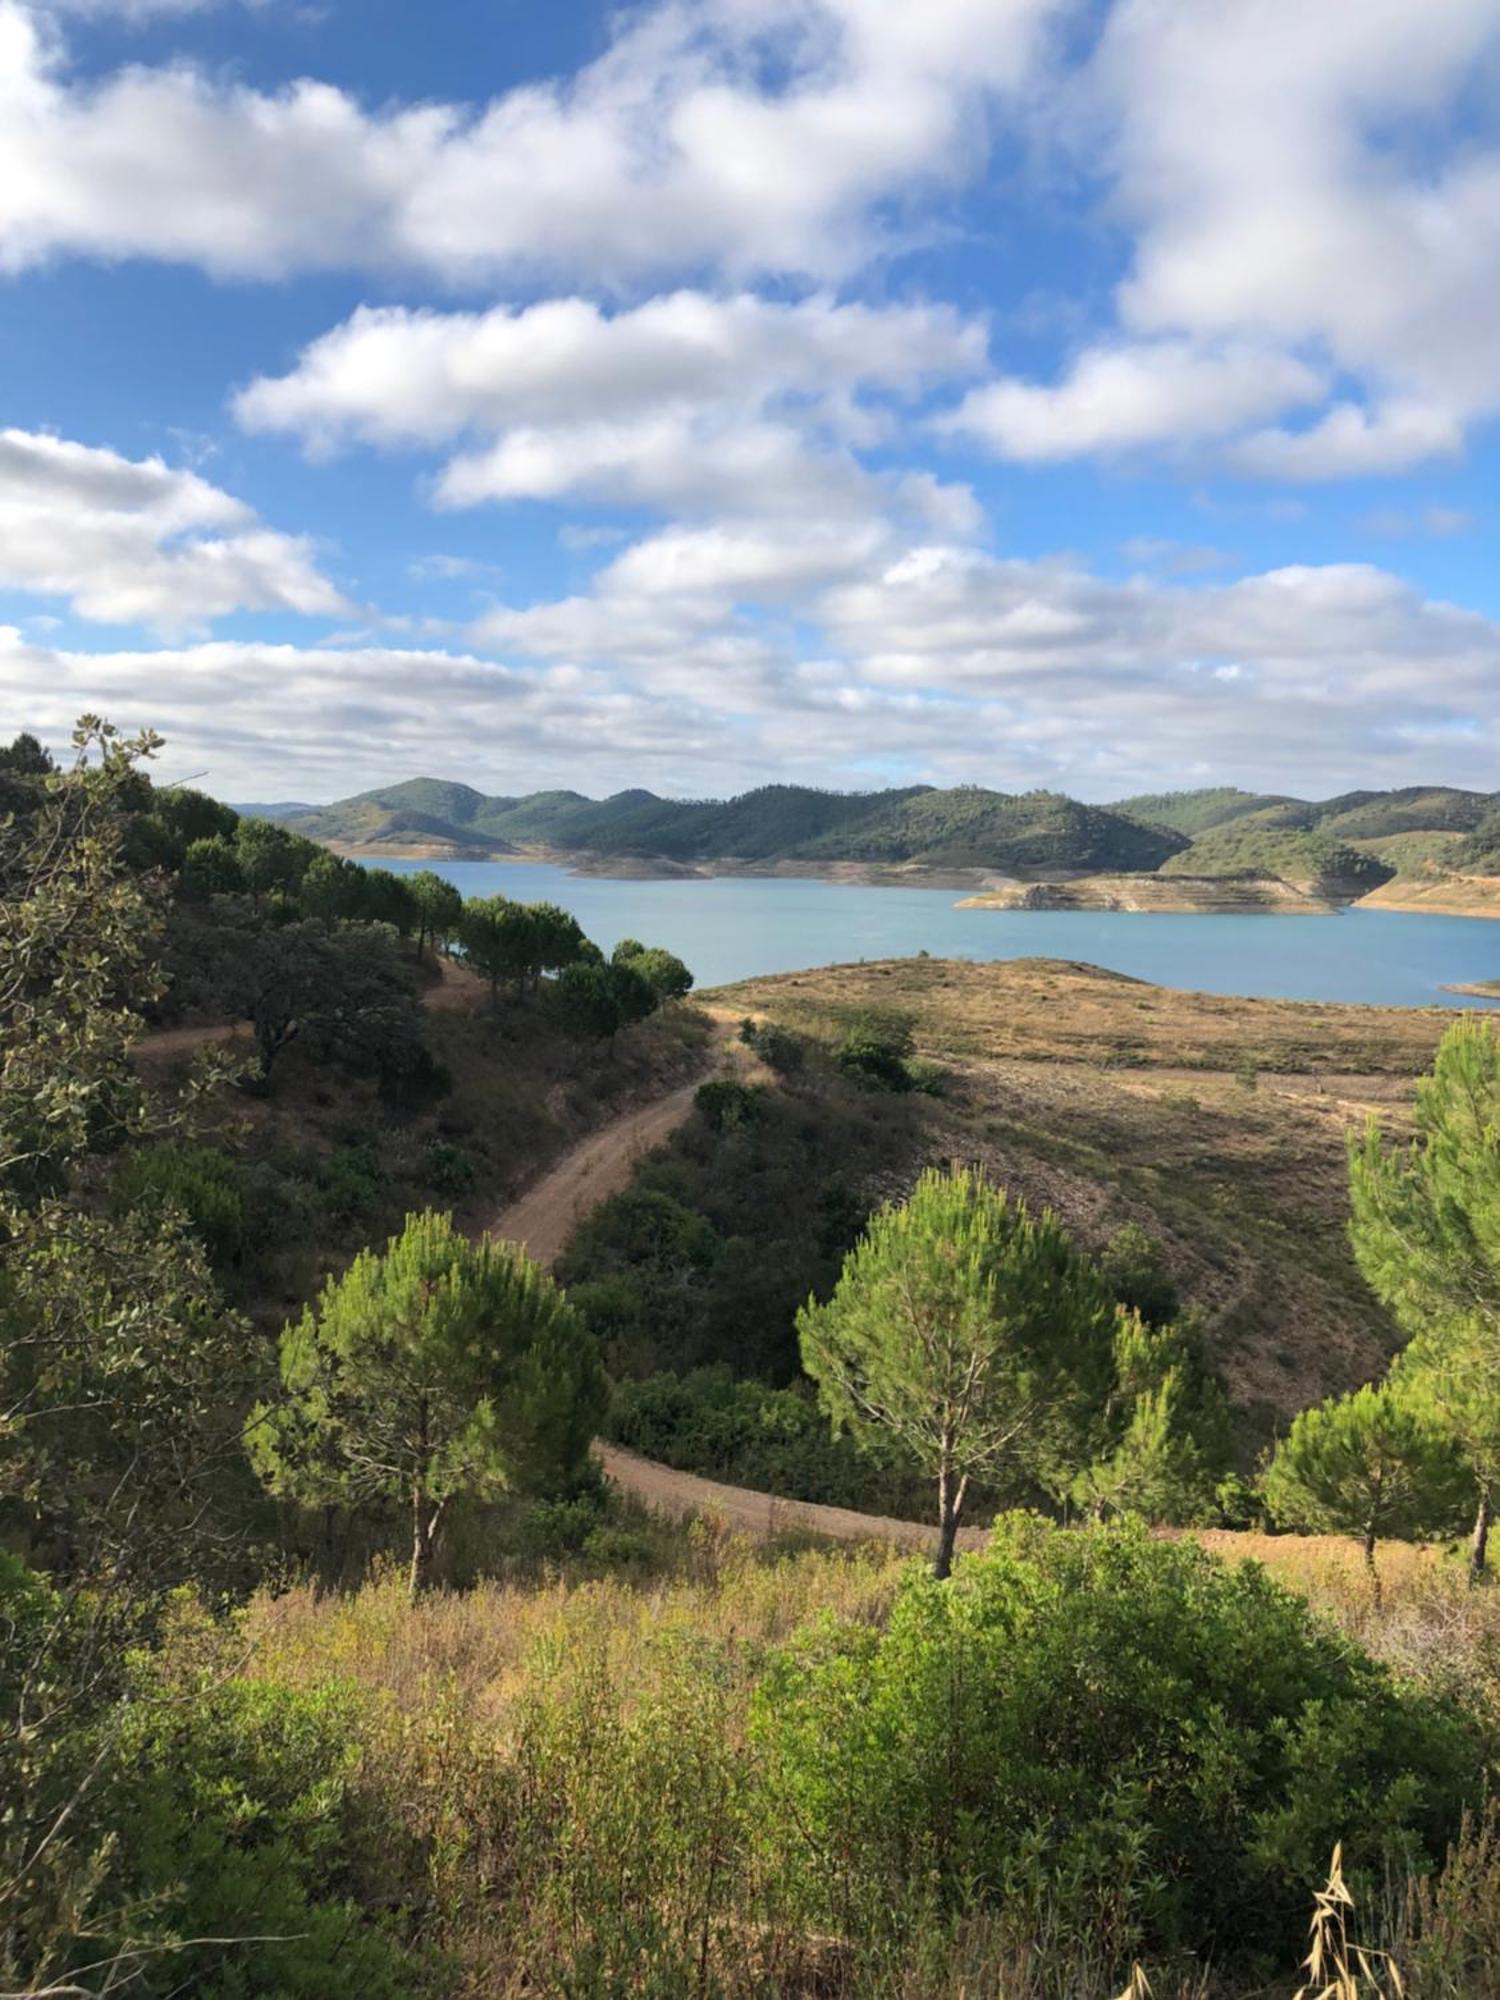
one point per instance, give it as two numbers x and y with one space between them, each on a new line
1194 812
1332 851
1217 1124
1311 861
964 827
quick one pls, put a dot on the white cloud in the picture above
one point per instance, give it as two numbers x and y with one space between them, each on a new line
688 400
1349 442
1313 177
948 662
676 149
135 541
1119 398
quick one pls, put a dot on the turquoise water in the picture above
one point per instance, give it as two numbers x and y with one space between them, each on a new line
733 927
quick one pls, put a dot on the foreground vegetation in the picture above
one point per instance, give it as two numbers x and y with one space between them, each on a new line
238 1756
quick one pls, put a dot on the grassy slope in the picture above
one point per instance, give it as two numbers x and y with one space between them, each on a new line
1217 1123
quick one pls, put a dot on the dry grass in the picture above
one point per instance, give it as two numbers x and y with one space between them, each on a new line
1217 1124
566 1759
1050 1010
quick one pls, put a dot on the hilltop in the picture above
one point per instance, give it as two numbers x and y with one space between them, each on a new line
1421 847
967 827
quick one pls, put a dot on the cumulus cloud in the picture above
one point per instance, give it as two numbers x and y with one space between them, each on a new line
138 542
946 660
686 401
1309 176
1348 442
1118 398
749 137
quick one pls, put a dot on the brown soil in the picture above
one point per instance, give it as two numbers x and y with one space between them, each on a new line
762 1515
546 1215
1438 895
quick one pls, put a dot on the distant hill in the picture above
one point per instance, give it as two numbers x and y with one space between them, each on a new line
966 827
1193 813
972 828
1308 860
281 809
1336 848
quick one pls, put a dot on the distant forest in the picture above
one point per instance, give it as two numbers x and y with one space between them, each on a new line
1354 842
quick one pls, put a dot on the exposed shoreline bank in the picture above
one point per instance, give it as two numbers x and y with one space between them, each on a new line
1162 893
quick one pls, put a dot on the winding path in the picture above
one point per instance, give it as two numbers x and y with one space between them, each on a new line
544 1218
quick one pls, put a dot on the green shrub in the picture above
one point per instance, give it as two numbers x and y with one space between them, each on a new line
874 1054
239 1818
449 1169
204 1836
1173 1743
723 1104
205 1185
351 1181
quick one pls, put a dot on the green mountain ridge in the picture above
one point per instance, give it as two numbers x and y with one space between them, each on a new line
1342 846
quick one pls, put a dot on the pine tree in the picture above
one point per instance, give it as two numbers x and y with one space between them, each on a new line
970 1332
1426 1233
436 1369
1376 1463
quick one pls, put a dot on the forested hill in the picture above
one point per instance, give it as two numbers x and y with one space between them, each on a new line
965 827
1357 840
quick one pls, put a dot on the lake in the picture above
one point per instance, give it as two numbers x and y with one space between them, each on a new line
733 927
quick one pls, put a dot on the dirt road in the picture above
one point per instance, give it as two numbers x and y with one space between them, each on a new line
543 1220
547 1214
747 1512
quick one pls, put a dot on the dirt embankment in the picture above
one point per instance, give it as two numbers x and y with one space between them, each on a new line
1206 895
1438 896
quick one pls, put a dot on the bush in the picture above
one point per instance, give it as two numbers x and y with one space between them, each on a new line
1172 1745
351 1181
875 1056
203 1184
778 1048
242 1820
724 1104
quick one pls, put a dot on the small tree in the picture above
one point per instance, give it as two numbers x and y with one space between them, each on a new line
386 898
499 940
663 972
967 1330
1371 1464
1134 1266
439 907
1426 1234
269 857
1168 1428
332 888
596 1000
437 1369
211 868
557 939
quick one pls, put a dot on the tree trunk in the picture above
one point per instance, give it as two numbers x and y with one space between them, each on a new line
1370 1563
1479 1541
950 1506
424 1527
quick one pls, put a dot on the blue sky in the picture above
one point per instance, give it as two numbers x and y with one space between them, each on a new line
1097 396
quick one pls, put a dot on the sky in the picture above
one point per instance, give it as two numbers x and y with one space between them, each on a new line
1097 395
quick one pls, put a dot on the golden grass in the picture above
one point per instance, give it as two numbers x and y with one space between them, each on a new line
1051 1010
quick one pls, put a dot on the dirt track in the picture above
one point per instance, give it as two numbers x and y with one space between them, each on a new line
597 1167
543 1220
